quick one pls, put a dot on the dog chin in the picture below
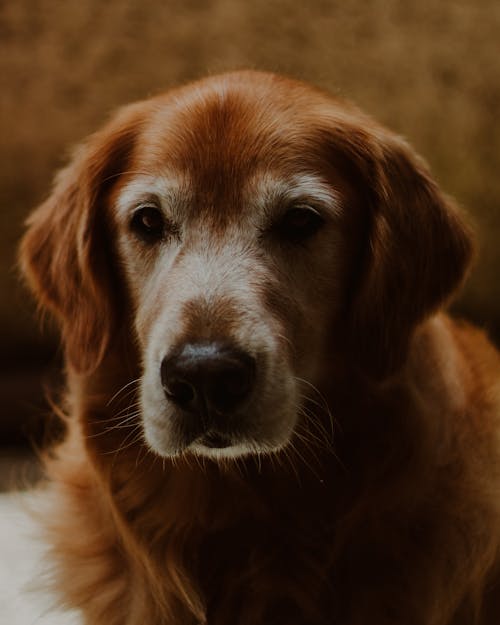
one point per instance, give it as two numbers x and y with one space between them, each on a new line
236 449
214 445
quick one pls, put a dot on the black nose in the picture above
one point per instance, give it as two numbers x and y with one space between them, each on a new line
207 378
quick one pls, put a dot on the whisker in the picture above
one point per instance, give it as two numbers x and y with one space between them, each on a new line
119 391
119 415
324 404
201 463
123 446
123 419
305 462
240 467
259 461
314 422
126 423
311 439
126 173
323 437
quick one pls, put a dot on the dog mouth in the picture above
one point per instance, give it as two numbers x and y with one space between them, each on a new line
214 440
244 438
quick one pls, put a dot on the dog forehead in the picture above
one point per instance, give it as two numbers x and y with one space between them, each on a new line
220 137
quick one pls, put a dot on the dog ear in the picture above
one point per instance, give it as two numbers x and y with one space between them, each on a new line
65 251
416 255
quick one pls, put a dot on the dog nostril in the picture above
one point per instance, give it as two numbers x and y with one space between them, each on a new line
208 377
180 392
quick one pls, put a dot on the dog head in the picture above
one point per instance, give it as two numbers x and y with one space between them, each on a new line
252 231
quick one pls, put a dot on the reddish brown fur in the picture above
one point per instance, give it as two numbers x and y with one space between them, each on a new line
400 523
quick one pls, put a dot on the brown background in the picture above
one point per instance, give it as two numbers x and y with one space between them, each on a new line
430 70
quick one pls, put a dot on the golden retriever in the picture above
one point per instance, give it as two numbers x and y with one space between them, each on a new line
270 419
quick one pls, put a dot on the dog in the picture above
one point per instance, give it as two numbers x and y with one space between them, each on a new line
269 417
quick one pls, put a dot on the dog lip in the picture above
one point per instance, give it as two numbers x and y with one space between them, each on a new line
214 440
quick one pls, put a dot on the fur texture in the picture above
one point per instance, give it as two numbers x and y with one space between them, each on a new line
360 481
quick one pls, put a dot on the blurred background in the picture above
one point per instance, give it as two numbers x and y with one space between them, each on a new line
429 69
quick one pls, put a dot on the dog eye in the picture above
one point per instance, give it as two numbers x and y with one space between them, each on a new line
299 223
148 224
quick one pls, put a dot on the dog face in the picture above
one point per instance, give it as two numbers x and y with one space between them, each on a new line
261 231
254 270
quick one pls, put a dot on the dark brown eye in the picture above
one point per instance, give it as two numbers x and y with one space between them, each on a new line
148 224
298 224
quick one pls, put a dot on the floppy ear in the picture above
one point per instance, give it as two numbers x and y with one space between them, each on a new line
416 256
65 251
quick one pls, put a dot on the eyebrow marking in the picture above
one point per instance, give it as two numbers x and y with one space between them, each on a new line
171 191
305 187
